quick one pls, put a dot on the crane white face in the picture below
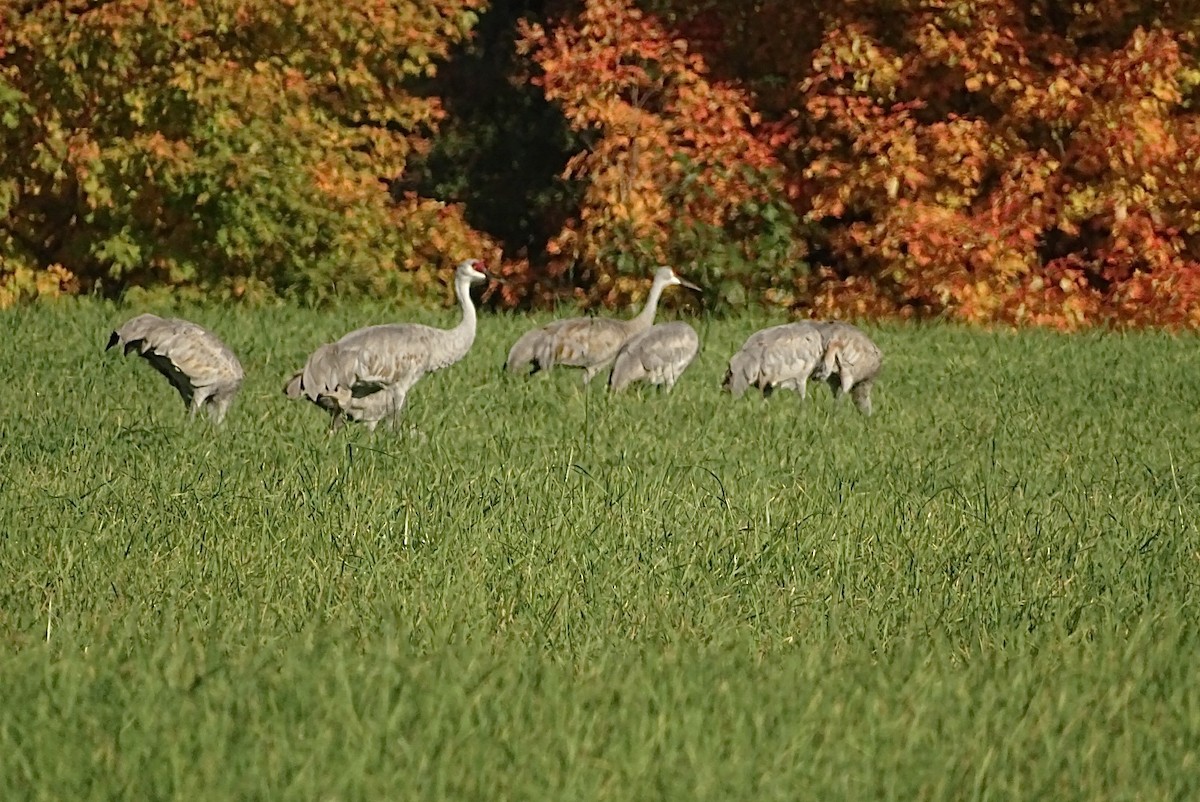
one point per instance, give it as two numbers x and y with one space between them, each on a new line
668 275
473 269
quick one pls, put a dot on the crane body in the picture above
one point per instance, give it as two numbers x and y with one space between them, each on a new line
850 363
205 372
366 375
659 355
782 356
590 343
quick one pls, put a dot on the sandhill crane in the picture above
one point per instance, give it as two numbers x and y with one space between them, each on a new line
780 356
201 367
523 354
850 363
658 355
366 375
590 343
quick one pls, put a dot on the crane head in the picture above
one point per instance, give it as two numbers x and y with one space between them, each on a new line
473 270
669 278
830 361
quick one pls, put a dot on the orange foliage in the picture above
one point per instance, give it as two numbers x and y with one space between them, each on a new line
985 168
671 149
224 147
991 161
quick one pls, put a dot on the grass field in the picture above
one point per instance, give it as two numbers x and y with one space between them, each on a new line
988 590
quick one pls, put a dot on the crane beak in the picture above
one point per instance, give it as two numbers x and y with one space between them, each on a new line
490 276
689 285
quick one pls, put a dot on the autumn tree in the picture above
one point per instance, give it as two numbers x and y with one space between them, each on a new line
984 160
501 149
672 172
1003 161
987 160
220 144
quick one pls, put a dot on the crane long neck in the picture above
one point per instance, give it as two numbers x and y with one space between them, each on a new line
645 318
454 343
462 289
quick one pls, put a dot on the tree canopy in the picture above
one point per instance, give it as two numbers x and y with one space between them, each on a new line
991 161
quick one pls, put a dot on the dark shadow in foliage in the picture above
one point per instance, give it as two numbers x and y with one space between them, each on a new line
502 147
762 46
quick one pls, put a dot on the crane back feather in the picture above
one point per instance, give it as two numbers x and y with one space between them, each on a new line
658 355
204 371
367 374
777 357
523 354
850 363
584 342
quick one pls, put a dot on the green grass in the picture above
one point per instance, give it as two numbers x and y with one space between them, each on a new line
986 591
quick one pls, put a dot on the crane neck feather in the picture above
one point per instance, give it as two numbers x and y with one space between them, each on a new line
462 289
463 335
645 318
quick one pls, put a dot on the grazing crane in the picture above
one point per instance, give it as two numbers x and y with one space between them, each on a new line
780 356
590 343
659 355
523 354
366 375
201 367
850 363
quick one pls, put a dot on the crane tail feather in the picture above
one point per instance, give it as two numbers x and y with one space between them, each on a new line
295 386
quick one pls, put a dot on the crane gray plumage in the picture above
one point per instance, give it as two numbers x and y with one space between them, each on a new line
367 374
590 343
658 355
201 367
850 362
776 357
523 354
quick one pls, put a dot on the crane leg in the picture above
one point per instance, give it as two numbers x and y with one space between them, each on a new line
218 408
844 383
861 393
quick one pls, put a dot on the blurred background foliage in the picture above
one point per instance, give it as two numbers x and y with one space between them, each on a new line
991 161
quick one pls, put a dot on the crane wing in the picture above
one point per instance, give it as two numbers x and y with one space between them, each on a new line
189 355
584 341
789 352
393 354
367 361
665 346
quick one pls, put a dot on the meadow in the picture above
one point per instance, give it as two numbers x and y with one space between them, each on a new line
987 590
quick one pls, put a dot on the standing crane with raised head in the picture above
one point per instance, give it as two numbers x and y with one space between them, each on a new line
201 367
780 356
367 374
590 343
659 355
850 363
